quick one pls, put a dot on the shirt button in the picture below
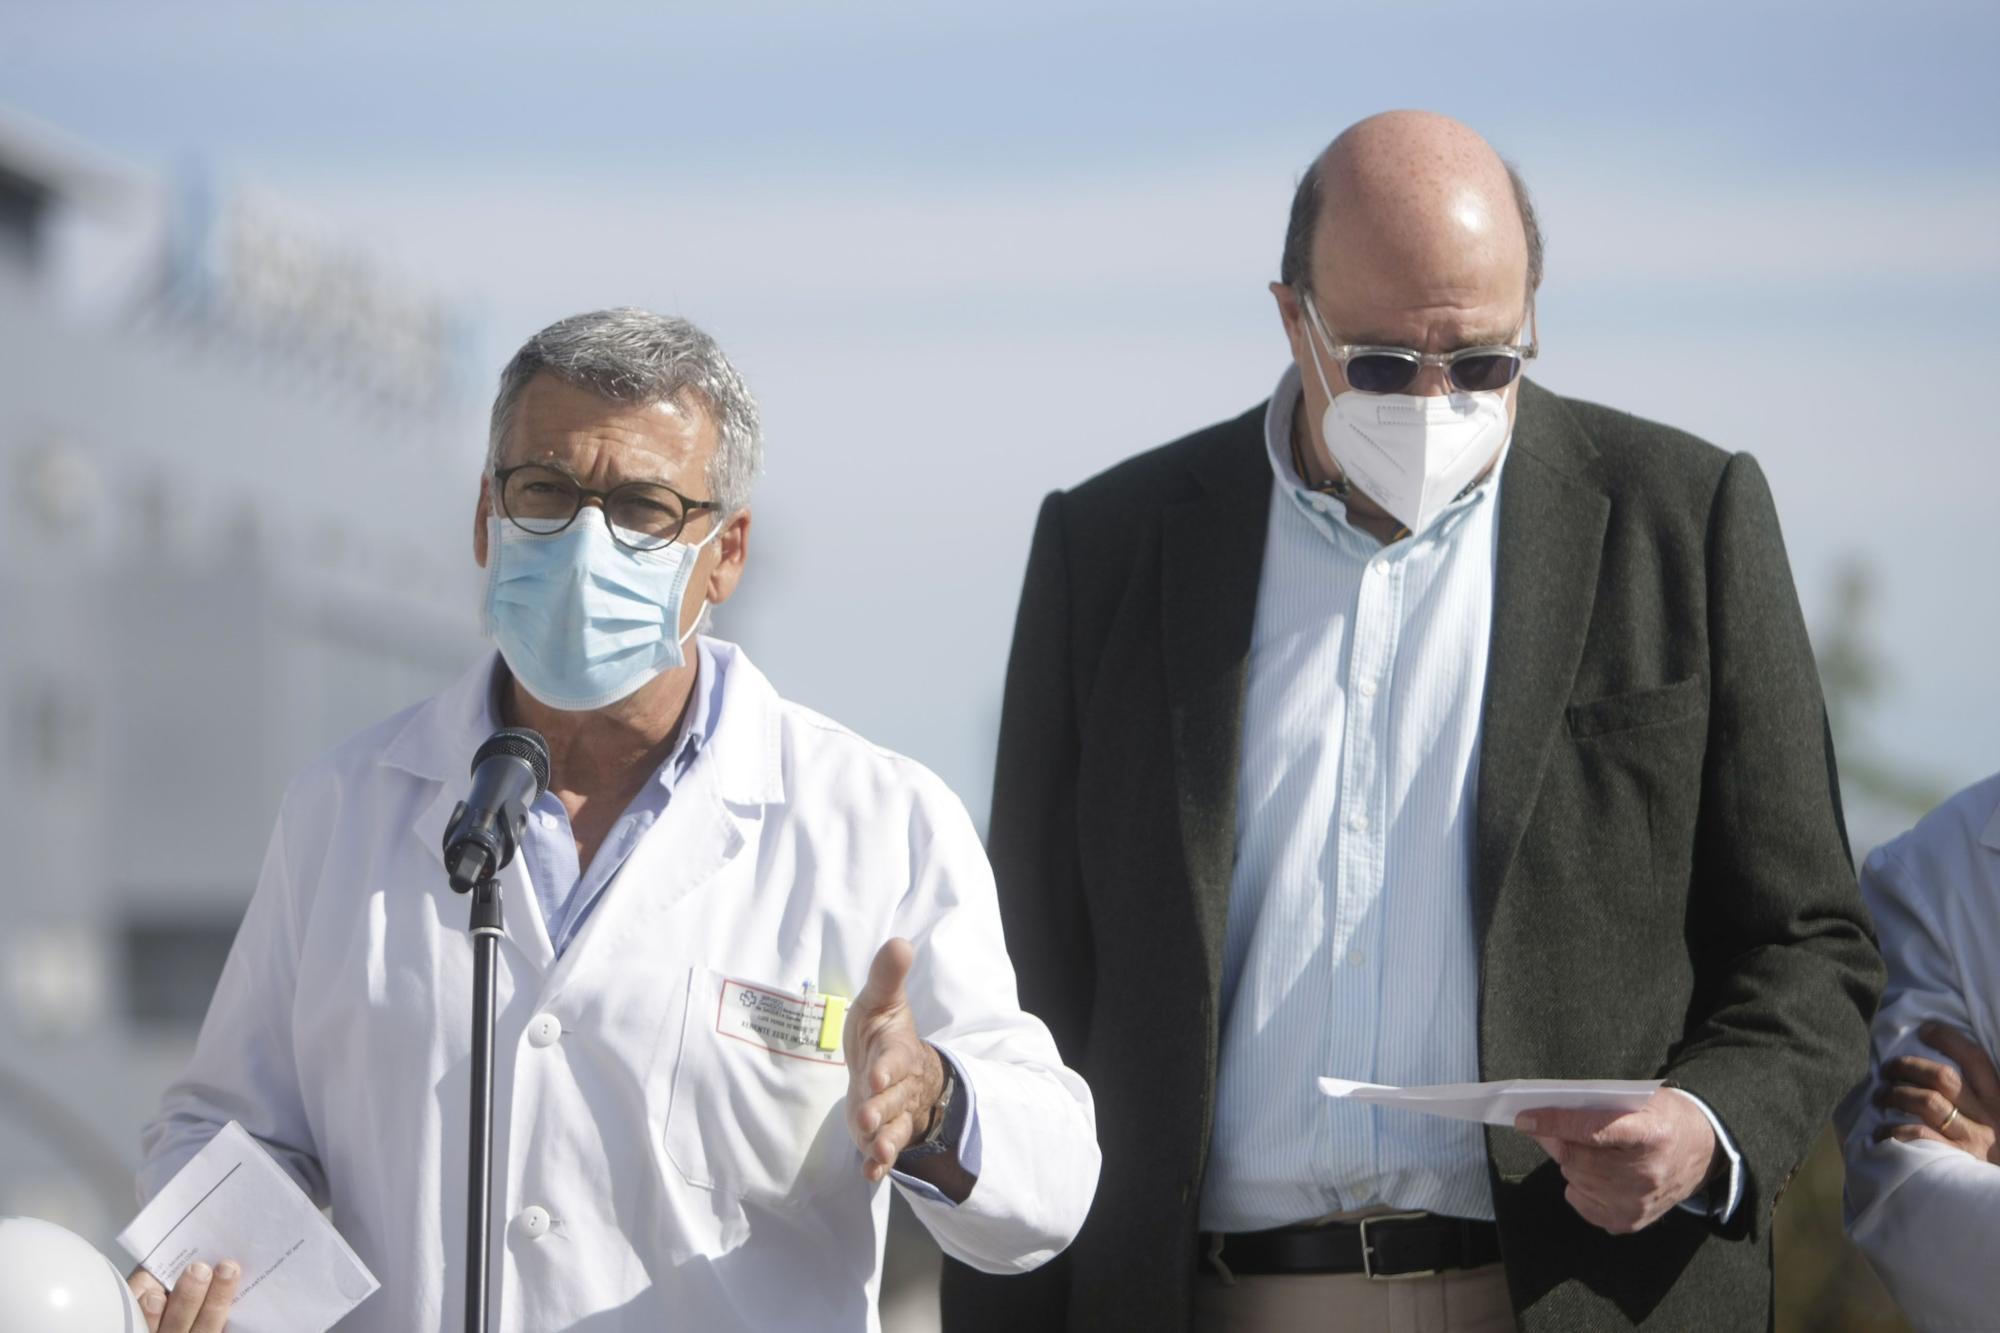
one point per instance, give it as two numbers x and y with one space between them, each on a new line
1359 823
1356 958
534 1222
543 1030
1368 688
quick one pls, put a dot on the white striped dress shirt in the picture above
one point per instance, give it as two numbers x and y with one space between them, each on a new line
1350 947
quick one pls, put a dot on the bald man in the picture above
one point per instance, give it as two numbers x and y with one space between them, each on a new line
1421 726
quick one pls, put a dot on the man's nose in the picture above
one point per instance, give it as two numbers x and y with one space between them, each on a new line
1431 382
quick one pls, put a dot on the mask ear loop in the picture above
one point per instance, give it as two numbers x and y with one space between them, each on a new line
693 625
1338 487
694 555
1311 312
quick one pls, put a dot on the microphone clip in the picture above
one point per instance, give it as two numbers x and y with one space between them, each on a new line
474 850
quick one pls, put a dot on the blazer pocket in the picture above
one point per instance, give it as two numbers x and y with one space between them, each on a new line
1642 708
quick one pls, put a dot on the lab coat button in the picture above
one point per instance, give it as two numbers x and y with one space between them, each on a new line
534 1222
543 1029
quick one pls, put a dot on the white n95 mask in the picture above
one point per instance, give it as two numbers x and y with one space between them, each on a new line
1413 455
582 621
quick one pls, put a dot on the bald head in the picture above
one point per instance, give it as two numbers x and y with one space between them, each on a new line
1408 232
1410 192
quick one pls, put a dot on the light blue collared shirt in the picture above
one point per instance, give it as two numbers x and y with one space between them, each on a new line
1350 948
565 890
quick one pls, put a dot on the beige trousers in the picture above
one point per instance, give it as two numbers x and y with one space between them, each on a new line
1470 1301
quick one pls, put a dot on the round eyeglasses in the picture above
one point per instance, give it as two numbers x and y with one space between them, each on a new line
1376 369
642 515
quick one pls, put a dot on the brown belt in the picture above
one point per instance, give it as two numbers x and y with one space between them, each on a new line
1389 1245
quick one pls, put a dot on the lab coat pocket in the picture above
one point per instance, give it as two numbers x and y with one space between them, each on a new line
756 1107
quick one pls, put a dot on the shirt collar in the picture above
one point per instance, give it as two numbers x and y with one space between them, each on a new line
705 703
1285 402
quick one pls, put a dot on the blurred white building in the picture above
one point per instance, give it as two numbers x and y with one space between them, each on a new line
237 460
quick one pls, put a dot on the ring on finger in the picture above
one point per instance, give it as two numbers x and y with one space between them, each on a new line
1948 1119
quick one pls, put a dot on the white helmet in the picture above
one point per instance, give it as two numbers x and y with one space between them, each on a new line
54 1281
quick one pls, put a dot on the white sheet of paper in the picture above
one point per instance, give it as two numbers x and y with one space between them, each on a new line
231 1201
1499 1103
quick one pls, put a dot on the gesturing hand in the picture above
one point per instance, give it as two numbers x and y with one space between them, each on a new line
893 1075
1627 1168
1959 1107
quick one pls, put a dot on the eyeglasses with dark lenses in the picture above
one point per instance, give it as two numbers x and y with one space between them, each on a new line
1374 369
1394 369
642 515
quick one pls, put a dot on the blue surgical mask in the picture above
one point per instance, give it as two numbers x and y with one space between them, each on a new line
582 621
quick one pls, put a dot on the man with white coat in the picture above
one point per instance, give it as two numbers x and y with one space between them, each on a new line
660 1160
1922 1134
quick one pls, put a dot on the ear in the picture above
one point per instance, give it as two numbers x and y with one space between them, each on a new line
480 513
1294 317
732 548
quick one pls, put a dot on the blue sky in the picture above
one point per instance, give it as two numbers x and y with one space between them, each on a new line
1040 86
968 254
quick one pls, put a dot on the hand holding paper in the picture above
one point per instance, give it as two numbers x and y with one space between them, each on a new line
1625 1172
233 1201
1630 1149
199 1302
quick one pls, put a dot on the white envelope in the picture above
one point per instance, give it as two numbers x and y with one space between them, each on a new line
1499 1103
231 1201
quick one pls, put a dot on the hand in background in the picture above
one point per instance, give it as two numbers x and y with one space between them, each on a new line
1957 1107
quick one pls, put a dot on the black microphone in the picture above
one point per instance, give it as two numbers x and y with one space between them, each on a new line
508 773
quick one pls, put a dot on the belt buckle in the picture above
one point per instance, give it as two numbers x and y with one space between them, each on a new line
1368 1250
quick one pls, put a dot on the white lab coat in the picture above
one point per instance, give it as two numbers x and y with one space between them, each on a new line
649 1173
1926 1214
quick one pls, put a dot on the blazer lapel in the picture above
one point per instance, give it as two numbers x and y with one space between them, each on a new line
1211 558
1552 522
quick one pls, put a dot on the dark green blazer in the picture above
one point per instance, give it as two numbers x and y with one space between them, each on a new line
1662 882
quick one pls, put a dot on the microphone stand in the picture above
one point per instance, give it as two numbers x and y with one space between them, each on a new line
486 929
510 771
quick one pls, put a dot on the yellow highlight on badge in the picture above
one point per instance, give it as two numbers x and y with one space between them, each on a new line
831 1022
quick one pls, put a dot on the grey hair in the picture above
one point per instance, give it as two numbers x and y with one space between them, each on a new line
1295 262
635 356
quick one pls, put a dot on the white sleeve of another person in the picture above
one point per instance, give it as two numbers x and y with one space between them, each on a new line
1925 1213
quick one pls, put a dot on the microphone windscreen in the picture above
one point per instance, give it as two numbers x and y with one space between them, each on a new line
523 744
